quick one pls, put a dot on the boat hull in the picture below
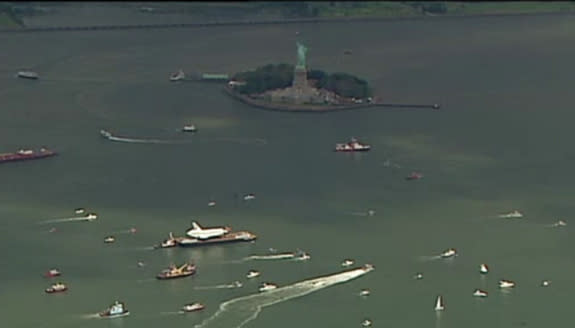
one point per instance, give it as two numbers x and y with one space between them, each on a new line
352 150
162 276
14 157
108 316
228 238
55 291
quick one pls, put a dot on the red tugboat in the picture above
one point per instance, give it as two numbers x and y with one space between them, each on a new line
414 176
53 273
352 145
26 154
57 288
173 272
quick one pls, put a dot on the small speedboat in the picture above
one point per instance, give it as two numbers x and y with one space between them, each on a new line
253 274
448 253
79 211
118 309
418 276
347 262
193 307
266 286
303 256
506 284
91 216
189 128
560 223
53 273
109 239
512 215
368 267
479 293
483 269
249 197
352 145
57 288
439 306
545 283
414 176
27 75
366 323
364 292
177 76
212 203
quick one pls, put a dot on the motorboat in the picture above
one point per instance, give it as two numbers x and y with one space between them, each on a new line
57 288
186 270
560 223
177 76
189 128
249 197
347 262
303 256
253 274
266 286
368 267
193 307
364 292
483 269
512 215
418 276
448 253
109 239
371 213
53 273
414 176
27 75
506 284
238 284
352 145
212 203
545 283
479 293
366 323
91 216
439 306
170 242
79 211
118 309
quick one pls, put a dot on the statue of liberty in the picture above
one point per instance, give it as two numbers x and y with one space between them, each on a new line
301 53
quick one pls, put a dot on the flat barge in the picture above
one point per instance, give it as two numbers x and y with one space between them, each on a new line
24 155
227 238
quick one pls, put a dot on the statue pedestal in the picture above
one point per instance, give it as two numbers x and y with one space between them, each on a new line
300 78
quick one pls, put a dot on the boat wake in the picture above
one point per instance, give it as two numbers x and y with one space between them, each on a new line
227 286
246 141
281 256
426 258
91 316
74 219
239 311
146 141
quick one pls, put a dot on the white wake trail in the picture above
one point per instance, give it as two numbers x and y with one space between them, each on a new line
79 218
281 256
239 311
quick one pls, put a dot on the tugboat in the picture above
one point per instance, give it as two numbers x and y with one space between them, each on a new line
253 274
57 288
479 293
193 307
177 76
109 239
448 253
483 269
189 128
53 273
173 272
118 309
266 286
414 176
352 145
512 215
347 263
506 284
170 242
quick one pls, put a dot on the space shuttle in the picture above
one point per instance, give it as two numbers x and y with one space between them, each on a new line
196 231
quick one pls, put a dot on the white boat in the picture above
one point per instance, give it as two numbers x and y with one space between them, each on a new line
418 276
193 307
545 283
449 253
177 76
483 269
170 242
512 215
366 323
79 211
479 293
238 284
439 304
27 75
303 256
118 309
347 262
253 274
109 239
249 197
352 145
266 286
364 292
189 128
560 223
212 203
506 284
91 216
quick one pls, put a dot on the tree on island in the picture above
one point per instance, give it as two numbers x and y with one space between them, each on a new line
280 76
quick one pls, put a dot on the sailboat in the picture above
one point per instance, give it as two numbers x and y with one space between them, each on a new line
439 304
